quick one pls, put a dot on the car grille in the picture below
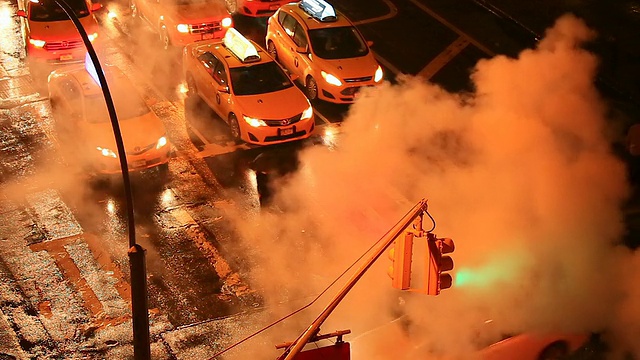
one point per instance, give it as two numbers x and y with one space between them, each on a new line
359 79
350 91
206 28
284 122
138 150
63 45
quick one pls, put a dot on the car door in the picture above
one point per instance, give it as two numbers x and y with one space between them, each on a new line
284 45
222 103
205 83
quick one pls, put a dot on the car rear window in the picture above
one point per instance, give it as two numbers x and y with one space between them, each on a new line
48 10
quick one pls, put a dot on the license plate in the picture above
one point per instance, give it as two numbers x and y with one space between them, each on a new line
66 57
273 7
285 132
206 36
139 163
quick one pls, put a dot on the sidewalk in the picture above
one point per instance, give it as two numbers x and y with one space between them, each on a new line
617 23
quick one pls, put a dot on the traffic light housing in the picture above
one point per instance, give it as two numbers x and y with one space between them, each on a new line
438 264
400 255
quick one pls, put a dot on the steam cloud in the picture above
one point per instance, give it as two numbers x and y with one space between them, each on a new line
519 173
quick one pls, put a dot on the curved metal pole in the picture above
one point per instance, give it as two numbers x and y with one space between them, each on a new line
313 329
139 305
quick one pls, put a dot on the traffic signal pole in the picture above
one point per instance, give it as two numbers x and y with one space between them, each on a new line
298 344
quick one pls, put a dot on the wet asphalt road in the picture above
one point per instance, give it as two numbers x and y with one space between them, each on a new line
181 218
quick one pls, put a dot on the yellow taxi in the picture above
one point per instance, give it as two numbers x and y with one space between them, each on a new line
83 124
49 34
324 49
255 8
248 90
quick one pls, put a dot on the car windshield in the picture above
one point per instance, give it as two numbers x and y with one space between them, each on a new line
48 10
337 43
127 106
259 79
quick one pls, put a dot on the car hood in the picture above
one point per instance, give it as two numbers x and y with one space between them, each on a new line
350 68
199 13
281 104
136 132
61 30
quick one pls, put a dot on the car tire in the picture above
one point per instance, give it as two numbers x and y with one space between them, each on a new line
311 88
192 90
271 49
164 38
135 13
234 128
555 351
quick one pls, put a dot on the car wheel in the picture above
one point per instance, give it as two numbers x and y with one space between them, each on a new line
555 351
135 13
232 5
312 88
164 37
271 49
234 128
192 90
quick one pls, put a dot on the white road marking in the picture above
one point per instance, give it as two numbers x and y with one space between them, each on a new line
393 11
444 57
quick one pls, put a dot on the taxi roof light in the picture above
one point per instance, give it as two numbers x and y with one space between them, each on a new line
319 9
240 46
88 65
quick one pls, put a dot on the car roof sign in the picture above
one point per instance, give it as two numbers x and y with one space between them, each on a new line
88 65
240 46
319 9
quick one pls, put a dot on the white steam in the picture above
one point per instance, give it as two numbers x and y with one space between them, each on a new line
519 173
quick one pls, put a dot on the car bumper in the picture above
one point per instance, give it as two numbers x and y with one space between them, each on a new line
140 162
67 56
268 135
260 8
345 94
182 39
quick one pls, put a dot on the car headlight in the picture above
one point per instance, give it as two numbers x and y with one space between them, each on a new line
107 152
378 75
161 142
331 79
92 36
226 22
307 113
37 43
183 28
253 121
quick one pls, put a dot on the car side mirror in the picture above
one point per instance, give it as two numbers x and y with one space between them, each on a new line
223 88
96 7
633 140
21 13
369 43
302 49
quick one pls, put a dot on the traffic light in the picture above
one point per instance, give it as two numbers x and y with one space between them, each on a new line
400 255
438 279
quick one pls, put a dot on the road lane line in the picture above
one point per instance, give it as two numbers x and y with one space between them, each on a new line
452 27
444 57
387 64
393 11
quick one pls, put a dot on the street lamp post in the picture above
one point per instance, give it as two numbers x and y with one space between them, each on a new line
139 305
